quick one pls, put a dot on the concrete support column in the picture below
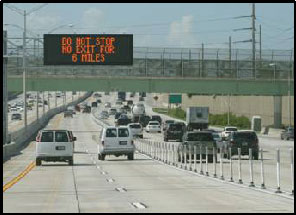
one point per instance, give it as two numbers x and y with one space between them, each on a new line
277 102
5 122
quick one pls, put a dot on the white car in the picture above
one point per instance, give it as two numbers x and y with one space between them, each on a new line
136 129
54 145
116 141
107 105
227 130
153 126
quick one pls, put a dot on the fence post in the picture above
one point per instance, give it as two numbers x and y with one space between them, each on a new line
278 170
251 168
240 181
262 170
200 159
214 163
230 160
221 164
207 157
190 160
169 151
194 157
292 168
181 156
185 157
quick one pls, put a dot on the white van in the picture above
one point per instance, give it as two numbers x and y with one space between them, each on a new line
54 145
116 141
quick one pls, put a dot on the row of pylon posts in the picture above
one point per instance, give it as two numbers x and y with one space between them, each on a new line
185 157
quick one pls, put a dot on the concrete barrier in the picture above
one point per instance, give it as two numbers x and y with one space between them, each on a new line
21 138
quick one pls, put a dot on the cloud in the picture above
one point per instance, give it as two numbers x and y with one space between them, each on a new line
92 19
40 21
180 32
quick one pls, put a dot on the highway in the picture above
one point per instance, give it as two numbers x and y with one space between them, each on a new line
140 185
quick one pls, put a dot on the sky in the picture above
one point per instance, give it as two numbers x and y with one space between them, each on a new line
185 25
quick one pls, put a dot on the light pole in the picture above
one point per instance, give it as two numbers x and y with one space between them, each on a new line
24 13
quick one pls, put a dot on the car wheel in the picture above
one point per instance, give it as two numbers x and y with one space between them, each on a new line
130 157
70 162
103 157
255 156
38 162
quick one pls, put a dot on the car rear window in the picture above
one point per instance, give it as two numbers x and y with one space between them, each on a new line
61 136
199 137
169 121
231 129
153 123
135 126
175 127
123 132
155 117
47 136
111 132
246 135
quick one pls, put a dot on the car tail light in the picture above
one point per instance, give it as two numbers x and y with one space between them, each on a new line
38 138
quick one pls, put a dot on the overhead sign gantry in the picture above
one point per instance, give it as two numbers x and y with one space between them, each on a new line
88 49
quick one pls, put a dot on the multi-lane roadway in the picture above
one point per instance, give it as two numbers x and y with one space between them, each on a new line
140 185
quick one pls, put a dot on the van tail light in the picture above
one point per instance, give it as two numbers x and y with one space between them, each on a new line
103 142
38 138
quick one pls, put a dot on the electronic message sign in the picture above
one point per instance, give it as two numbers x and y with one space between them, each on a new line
88 49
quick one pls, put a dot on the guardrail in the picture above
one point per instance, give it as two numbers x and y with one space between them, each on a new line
187 158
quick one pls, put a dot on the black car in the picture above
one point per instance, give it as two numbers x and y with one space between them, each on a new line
126 108
174 131
99 101
243 140
87 109
16 116
123 120
156 118
144 120
117 115
141 99
94 104
288 133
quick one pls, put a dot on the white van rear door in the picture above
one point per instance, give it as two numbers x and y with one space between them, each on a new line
63 145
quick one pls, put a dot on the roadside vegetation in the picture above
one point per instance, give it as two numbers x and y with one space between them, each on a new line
242 122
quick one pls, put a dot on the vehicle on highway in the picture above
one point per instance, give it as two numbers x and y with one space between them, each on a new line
54 145
197 118
132 95
13 109
126 108
99 101
116 141
107 105
104 115
86 109
200 139
58 94
156 118
77 108
117 115
16 116
118 102
227 130
174 131
20 109
141 99
218 139
288 133
112 111
130 102
45 102
97 95
123 120
121 95
144 120
107 93
94 104
153 126
136 129
243 139
68 113
166 124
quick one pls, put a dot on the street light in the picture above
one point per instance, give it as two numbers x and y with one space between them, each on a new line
24 13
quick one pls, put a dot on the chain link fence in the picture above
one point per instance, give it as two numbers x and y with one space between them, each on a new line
174 62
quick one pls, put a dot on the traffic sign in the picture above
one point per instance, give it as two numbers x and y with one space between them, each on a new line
175 99
88 49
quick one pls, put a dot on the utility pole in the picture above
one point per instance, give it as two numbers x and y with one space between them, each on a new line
230 70
24 71
260 42
253 41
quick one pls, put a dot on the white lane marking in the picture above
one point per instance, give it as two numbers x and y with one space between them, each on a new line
138 205
120 189
110 180
104 173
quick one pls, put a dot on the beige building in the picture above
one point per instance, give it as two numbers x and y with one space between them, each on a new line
239 105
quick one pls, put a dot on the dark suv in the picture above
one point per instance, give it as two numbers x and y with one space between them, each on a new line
288 133
244 140
174 131
156 118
